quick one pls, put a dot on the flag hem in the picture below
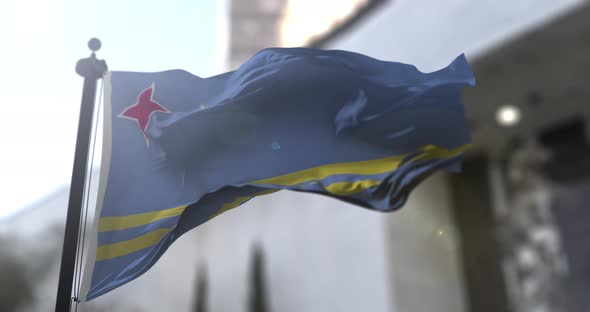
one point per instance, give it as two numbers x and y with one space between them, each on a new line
102 185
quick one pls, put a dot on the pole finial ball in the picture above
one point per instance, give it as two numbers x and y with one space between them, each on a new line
94 44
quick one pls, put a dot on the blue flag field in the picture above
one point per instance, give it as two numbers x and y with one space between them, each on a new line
180 150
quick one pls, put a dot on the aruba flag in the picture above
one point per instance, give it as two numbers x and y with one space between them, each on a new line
179 149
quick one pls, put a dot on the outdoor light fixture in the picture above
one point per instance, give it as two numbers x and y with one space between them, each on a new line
508 115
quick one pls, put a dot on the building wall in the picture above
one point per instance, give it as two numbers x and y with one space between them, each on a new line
253 25
422 239
320 255
423 251
430 33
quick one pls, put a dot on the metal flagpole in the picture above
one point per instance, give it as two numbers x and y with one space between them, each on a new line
91 69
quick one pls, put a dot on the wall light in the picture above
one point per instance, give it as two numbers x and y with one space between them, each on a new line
508 115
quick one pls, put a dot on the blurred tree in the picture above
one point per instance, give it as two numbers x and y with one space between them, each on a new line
200 301
258 299
15 287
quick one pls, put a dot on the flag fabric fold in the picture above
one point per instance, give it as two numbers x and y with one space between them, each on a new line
180 150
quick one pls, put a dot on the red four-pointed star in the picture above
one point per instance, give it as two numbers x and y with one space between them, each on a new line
143 109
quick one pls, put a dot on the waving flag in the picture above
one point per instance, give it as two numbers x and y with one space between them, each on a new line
180 149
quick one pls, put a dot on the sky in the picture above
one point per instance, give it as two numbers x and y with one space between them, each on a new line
40 42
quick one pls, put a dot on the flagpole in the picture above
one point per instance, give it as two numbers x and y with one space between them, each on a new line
91 69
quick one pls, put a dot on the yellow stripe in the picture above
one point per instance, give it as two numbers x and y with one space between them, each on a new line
126 222
338 188
431 152
367 167
111 251
240 200
348 188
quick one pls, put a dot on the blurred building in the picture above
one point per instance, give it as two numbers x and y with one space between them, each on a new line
257 24
490 239
507 234
253 24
